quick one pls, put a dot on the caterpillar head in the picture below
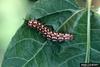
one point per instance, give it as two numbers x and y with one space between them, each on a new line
33 23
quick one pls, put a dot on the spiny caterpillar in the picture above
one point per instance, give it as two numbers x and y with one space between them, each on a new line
54 36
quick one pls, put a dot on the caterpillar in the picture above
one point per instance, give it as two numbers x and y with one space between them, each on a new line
49 34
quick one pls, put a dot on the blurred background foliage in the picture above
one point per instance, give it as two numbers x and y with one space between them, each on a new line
12 15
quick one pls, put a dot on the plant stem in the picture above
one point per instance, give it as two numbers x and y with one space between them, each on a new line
87 59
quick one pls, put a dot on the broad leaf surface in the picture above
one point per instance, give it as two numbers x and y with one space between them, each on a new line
28 48
95 38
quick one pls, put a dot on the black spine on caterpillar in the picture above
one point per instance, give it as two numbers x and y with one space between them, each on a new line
54 36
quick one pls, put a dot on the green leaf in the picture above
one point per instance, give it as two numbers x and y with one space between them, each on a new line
95 38
28 48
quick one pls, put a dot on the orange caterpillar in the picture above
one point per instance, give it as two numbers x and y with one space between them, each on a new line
54 36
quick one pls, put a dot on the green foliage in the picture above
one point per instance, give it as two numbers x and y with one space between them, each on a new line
28 48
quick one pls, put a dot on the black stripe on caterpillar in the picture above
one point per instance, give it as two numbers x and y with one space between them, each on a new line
54 36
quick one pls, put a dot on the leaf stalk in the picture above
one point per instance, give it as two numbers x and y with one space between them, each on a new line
87 59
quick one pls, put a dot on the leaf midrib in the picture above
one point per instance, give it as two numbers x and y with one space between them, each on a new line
87 58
